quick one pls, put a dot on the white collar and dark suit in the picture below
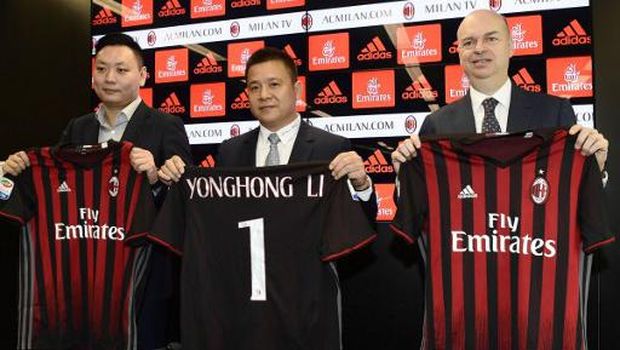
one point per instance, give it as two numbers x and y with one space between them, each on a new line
89 127
311 144
527 111
162 134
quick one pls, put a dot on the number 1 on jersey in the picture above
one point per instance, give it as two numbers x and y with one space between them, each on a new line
257 257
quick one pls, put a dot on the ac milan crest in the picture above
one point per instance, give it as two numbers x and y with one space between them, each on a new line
235 130
306 21
113 186
151 38
411 124
539 191
495 5
408 11
235 29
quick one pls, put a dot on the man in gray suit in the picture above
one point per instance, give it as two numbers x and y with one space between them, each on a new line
493 103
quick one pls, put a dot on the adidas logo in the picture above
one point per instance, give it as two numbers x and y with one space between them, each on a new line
63 187
105 16
525 81
572 34
172 105
208 162
244 3
242 101
377 163
289 51
420 89
208 65
330 94
374 50
171 8
467 192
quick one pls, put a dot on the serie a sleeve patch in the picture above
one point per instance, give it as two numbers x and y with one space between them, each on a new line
6 188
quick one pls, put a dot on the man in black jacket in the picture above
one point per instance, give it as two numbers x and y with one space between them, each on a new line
123 116
272 91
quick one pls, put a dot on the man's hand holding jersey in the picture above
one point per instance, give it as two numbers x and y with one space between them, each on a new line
351 165
16 163
589 141
172 170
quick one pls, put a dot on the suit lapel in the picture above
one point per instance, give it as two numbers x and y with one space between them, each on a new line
519 112
136 126
302 148
247 156
91 131
463 120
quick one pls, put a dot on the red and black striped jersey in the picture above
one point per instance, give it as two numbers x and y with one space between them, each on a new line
256 246
78 206
505 224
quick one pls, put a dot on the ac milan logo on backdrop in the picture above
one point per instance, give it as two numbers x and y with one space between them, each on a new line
539 190
306 21
235 130
411 124
408 11
235 28
151 38
495 5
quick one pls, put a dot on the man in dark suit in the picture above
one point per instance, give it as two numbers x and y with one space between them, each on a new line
160 134
273 88
493 103
527 111
119 74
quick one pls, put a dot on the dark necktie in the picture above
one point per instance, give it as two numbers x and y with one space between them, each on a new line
490 123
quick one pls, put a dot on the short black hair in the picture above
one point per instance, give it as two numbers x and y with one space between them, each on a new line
268 54
120 39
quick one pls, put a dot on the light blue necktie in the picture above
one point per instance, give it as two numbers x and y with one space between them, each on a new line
273 157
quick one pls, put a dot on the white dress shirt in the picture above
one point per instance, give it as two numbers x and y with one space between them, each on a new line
287 135
501 110
116 131
107 131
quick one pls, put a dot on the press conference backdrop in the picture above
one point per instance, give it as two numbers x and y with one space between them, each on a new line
370 71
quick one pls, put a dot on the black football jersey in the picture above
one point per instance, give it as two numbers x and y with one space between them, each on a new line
257 245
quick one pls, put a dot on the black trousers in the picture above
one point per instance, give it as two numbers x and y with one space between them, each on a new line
158 311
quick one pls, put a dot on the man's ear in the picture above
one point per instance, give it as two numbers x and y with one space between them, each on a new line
297 86
143 74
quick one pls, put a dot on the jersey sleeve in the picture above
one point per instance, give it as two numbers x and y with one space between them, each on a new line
17 197
169 227
346 227
592 211
143 212
411 204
